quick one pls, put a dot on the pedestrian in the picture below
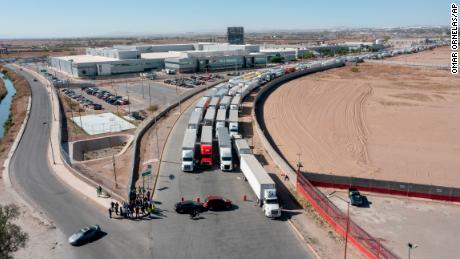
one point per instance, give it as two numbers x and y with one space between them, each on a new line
116 208
112 205
121 211
110 212
98 190
148 194
137 212
142 210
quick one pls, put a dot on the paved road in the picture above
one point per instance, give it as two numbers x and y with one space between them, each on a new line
241 233
33 178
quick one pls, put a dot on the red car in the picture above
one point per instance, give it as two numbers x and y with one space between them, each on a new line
217 203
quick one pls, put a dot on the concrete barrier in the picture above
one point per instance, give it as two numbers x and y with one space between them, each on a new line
149 122
79 148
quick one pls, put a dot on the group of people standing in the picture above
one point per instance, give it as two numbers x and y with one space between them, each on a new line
138 206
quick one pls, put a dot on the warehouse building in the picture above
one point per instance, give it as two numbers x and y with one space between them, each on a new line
194 57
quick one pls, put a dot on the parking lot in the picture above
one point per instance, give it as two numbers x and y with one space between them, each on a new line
396 221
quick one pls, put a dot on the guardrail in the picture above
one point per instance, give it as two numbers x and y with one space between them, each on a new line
364 242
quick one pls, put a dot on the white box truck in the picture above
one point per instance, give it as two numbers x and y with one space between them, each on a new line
188 150
233 122
225 149
262 185
221 118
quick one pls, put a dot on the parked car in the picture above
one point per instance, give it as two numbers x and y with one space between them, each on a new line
85 235
356 199
188 206
217 203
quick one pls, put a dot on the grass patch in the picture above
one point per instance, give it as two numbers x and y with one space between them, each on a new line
354 69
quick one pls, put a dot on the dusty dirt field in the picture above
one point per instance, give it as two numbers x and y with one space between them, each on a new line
397 221
438 56
383 122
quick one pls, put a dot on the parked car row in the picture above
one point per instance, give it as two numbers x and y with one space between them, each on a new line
83 101
184 82
106 96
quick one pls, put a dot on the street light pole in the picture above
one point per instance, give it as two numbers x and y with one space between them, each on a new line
411 246
348 221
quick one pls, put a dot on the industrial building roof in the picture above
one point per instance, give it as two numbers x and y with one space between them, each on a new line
161 55
86 59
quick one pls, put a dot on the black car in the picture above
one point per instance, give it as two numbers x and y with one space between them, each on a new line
188 206
356 198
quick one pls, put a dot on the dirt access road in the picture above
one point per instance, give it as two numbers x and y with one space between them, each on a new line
382 122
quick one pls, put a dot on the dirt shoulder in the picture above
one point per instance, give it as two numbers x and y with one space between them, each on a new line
3 90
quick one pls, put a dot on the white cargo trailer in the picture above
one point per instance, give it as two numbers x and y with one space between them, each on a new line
210 116
225 149
225 102
242 147
202 103
221 118
235 104
233 122
214 102
262 185
188 150
195 119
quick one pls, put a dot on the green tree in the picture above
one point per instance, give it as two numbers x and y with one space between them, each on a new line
277 59
342 51
11 236
308 55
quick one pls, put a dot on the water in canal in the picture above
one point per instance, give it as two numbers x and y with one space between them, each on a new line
5 104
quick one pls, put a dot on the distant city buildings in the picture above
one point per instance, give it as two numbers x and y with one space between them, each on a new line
235 35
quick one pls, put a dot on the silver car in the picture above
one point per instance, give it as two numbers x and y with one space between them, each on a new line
85 235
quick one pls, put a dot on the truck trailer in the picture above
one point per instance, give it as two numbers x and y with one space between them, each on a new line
262 185
195 119
235 104
202 103
225 102
225 149
206 146
214 103
233 122
209 117
242 147
188 150
221 118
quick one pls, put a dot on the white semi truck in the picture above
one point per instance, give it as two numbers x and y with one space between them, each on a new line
214 103
262 185
225 149
188 150
233 122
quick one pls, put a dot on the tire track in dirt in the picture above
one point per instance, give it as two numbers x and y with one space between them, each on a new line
325 124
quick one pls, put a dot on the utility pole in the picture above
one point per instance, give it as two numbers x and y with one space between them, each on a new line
113 163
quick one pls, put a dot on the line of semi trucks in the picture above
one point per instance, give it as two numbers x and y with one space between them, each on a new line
215 117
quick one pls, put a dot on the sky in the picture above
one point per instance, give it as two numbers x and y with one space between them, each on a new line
89 18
